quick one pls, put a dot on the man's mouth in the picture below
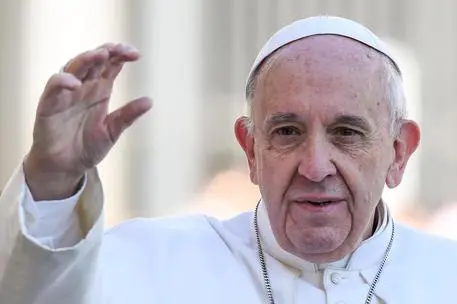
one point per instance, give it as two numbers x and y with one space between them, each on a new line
325 203
319 203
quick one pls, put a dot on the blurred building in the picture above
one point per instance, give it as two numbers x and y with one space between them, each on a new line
196 55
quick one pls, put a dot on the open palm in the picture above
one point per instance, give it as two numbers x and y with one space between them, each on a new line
73 130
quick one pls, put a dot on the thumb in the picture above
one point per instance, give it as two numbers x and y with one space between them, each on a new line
119 120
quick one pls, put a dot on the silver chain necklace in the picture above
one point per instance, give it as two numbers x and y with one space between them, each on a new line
266 277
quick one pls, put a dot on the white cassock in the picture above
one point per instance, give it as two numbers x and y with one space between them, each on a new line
197 259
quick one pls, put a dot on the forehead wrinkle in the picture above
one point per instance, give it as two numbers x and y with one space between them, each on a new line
356 56
313 50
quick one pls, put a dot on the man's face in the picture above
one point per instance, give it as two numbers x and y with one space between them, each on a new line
322 149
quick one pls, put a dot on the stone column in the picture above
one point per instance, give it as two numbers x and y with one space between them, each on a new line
11 90
164 153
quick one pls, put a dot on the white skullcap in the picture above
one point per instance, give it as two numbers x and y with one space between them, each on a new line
321 25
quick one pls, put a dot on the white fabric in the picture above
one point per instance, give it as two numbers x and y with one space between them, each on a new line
321 25
198 259
49 219
53 223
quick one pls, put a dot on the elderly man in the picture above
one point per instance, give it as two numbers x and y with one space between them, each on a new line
326 131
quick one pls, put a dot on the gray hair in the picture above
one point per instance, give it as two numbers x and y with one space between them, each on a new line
393 82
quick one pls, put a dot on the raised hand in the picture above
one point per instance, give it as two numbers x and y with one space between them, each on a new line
73 129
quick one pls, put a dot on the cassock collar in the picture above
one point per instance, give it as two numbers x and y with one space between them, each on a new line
369 253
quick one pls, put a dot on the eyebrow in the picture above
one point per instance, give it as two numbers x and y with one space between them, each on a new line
353 120
279 118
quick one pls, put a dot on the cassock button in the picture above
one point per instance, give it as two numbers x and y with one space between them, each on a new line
29 218
336 278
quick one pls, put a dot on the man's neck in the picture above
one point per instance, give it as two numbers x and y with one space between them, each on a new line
376 221
375 228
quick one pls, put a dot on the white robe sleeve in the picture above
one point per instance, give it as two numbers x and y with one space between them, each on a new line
39 265
54 224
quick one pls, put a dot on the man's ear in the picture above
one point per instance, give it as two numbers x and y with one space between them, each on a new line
405 144
246 140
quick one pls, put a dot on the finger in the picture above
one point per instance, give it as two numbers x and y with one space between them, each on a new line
107 46
56 95
122 118
81 64
124 52
96 70
59 82
119 55
112 70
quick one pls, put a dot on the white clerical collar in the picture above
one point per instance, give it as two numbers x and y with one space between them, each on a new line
369 253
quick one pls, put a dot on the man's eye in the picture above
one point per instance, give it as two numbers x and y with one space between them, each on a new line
286 131
347 132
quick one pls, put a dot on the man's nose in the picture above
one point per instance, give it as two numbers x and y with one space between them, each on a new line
315 160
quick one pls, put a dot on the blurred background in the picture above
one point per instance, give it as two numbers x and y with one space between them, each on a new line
182 157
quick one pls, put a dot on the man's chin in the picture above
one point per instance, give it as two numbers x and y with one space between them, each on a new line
328 247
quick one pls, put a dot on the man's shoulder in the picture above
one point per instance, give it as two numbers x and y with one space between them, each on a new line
184 228
425 246
140 226
418 237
